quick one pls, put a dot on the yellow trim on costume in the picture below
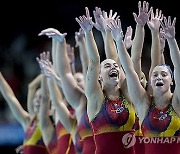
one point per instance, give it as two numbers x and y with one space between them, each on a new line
70 139
62 132
131 119
85 133
173 126
35 137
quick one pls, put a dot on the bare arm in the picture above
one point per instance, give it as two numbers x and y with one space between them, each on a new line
154 25
80 42
32 87
56 97
110 46
169 33
46 124
162 46
136 91
62 111
92 89
20 114
138 41
71 56
70 88
98 24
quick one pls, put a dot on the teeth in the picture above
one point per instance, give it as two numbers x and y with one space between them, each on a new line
113 71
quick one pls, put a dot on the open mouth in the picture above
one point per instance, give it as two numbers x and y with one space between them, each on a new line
159 84
113 73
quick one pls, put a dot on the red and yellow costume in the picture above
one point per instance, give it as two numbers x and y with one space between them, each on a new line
115 119
162 127
65 144
86 134
33 142
52 147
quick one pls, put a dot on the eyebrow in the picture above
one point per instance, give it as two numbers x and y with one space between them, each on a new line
161 72
107 64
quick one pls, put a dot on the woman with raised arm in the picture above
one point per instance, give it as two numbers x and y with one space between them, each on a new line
47 115
101 22
159 114
33 142
111 115
73 92
66 118
80 42
138 40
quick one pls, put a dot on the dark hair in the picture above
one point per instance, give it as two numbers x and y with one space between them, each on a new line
169 69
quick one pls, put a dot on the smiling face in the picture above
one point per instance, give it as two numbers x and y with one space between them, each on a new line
37 101
161 80
109 72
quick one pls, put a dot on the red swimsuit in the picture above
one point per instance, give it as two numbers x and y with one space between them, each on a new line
163 129
112 125
33 142
86 134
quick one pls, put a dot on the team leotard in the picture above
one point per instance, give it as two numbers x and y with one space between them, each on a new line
33 142
65 144
163 129
86 134
115 119
52 147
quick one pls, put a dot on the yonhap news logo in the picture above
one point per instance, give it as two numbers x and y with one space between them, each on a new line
129 140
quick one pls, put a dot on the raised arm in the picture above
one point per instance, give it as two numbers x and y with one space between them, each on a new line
80 42
101 21
56 97
154 26
46 125
136 92
62 111
138 41
71 56
128 38
162 45
110 47
169 33
92 89
32 87
98 24
20 114
70 88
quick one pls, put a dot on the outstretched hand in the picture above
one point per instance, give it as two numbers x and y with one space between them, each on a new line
98 24
44 56
46 66
168 28
154 22
79 36
115 27
144 13
128 38
85 22
53 33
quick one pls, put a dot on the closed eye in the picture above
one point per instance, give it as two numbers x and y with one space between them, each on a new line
106 65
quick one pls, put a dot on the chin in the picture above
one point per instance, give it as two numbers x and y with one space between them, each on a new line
115 83
160 90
